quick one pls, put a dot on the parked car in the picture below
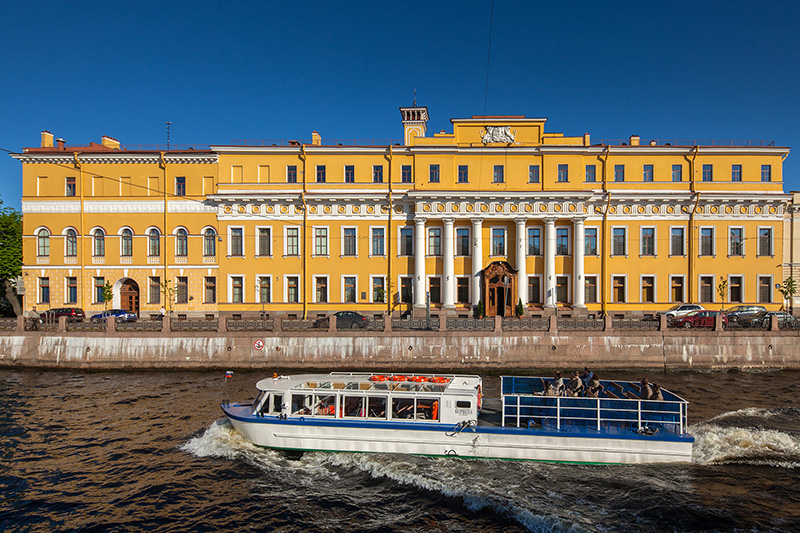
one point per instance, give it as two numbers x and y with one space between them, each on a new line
344 320
73 314
741 314
785 320
680 310
700 319
120 314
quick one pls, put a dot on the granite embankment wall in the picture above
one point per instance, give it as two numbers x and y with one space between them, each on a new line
395 351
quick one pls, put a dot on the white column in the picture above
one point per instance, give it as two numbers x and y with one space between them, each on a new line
578 281
550 262
448 283
420 281
522 256
477 259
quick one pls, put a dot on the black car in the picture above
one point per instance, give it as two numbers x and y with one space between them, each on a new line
73 314
742 314
344 320
763 320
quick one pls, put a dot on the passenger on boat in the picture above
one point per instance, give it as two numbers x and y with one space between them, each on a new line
594 388
646 391
558 384
586 377
575 385
657 396
548 389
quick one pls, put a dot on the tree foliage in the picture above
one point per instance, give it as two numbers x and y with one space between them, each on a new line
10 242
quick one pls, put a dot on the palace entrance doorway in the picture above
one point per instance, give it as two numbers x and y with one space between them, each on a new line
500 288
129 296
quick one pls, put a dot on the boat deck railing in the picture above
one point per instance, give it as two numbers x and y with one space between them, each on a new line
524 406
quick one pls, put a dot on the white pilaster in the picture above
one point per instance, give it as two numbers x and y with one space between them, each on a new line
550 262
420 281
477 259
522 256
578 282
448 300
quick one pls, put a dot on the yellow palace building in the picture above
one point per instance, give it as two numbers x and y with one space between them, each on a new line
497 212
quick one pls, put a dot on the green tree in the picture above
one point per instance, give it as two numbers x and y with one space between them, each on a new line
10 257
520 308
722 290
479 309
108 295
788 290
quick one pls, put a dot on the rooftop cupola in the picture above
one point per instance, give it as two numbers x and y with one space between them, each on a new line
415 122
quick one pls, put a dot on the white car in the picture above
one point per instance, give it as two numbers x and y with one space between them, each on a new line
680 310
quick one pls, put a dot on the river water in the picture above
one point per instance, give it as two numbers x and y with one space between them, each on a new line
148 451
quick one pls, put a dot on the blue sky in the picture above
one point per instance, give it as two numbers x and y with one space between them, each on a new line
271 70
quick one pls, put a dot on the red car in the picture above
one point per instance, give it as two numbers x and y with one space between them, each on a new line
700 319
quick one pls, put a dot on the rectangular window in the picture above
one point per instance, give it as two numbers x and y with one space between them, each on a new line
349 244
435 288
405 173
237 241
618 288
706 241
677 172
434 241
44 290
180 186
618 242
349 174
706 289
648 241
292 289
72 290
619 172
766 173
378 241
562 241
406 291
534 241
764 289
321 174
182 290
377 173
647 173
735 289
533 173
433 173
462 241
99 283
590 241
676 289
764 241
676 241
562 289
264 289
591 173
321 289
462 290
590 290
154 294
349 289
320 241
708 173
264 241
563 173
71 189
291 174
463 174
498 241
648 289
498 175
534 290
406 241
292 241
378 291
736 244
736 172
210 292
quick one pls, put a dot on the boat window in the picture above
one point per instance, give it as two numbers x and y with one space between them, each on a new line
352 385
376 407
324 405
380 386
277 403
403 408
464 404
301 404
353 406
428 408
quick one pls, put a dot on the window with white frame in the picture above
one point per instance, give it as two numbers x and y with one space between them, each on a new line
321 289
764 289
676 289
349 288
321 241
210 243
562 241
590 289
292 241
264 289
648 241
153 243
590 241
462 289
736 241
676 241
435 289
236 241
99 243
765 241
736 289
534 289
264 243
44 290
706 289
378 239
71 244
619 241
648 289
181 242
498 241
707 241
349 242
406 242
462 241
237 289
292 289
534 241
43 243
618 289
378 289
406 289
126 243
434 241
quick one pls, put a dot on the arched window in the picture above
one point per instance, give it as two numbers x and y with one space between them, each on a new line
99 249
43 240
72 243
181 243
127 243
210 242
154 243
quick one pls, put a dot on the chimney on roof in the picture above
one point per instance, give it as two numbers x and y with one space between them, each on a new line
47 139
634 140
109 142
316 138
60 143
586 140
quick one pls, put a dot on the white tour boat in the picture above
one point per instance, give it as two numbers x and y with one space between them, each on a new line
445 415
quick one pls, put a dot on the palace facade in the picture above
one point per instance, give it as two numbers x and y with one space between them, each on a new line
497 212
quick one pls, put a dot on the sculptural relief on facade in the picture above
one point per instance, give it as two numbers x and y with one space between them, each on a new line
498 134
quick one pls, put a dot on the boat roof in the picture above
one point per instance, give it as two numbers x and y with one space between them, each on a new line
366 381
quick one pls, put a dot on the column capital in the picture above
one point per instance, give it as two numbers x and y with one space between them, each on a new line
550 220
476 221
520 220
580 219
420 220
449 220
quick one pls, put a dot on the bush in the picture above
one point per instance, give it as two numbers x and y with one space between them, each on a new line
479 309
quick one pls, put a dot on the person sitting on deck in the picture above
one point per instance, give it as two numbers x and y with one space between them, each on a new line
575 385
656 395
646 391
594 388
558 384
548 389
586 377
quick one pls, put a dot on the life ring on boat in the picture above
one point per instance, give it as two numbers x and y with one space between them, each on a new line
439 379
418 379
399 378
377 378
